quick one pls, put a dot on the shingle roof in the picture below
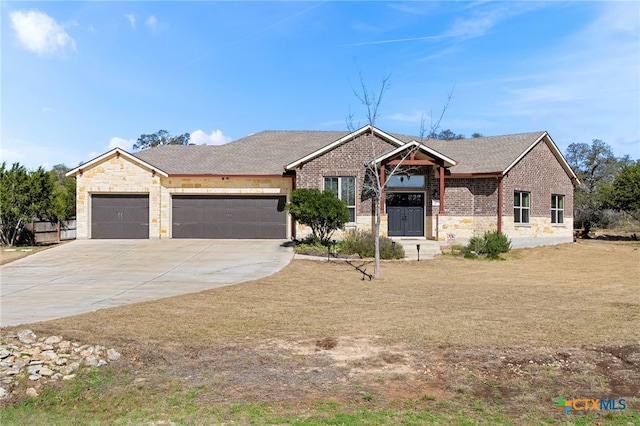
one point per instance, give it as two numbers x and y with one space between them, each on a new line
267 152
261 153
487 154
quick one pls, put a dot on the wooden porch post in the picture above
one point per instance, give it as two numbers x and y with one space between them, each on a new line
500 195
441 190
382 179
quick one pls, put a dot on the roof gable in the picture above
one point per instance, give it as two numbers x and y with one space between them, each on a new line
556 153
115 152
346 138
415 145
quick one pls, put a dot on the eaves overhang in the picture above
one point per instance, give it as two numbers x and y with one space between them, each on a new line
368 128
417 146
118 152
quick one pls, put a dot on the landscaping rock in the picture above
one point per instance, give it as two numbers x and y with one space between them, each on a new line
26 336
24 356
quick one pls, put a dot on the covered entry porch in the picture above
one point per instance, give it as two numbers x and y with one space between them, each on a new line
413 181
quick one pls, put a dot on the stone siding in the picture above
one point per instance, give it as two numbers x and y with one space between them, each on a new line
540 231
116 175
218 185
119 175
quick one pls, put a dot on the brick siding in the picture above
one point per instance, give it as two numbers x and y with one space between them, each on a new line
347 159
470 197
540 174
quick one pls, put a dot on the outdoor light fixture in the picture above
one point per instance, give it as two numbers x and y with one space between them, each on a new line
404 176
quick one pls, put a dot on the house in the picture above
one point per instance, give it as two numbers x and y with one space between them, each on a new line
443 190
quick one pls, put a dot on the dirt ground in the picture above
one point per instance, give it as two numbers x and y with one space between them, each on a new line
548 322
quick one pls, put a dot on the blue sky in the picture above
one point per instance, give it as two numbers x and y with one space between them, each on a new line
79 78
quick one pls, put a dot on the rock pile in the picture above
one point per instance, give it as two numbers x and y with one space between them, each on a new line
24 355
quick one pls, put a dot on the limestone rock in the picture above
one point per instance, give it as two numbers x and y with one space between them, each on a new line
46 371
27 336
53 340
24 356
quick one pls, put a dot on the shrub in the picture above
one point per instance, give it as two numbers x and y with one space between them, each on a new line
477 244
497 243
320 210
363 243
491 244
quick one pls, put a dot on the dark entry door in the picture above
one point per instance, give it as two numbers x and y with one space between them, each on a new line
201 216
405 214
120 216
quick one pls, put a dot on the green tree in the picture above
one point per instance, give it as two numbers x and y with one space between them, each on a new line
595 166
64 193
161 137
322 211
624 194
447 135
24 196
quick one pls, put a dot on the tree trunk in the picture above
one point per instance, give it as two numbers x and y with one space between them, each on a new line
376 267
16 233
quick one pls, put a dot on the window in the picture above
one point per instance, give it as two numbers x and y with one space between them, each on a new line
406 181
557 209
345 189
521 207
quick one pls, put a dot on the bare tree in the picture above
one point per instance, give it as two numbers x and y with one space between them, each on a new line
376 177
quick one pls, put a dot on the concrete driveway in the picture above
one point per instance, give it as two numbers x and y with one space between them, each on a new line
87 275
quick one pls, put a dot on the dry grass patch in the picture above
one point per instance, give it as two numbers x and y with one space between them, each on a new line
572 294
549 321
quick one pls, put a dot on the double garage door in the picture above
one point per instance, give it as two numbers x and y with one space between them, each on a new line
193 216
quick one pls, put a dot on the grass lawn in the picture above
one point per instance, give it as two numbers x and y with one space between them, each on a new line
447 341
9 254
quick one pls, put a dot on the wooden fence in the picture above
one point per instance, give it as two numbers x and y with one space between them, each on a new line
52 232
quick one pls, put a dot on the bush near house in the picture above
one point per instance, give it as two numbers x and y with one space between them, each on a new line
491 244
363 243
322 211
357 242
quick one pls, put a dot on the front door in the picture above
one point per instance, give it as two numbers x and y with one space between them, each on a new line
405 214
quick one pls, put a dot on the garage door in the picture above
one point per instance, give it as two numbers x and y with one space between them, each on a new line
119 216
228 217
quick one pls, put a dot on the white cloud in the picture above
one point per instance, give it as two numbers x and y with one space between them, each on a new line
132 20
40 33
216 137
485 18
10 156
588 87
126 144
152 23
415 117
